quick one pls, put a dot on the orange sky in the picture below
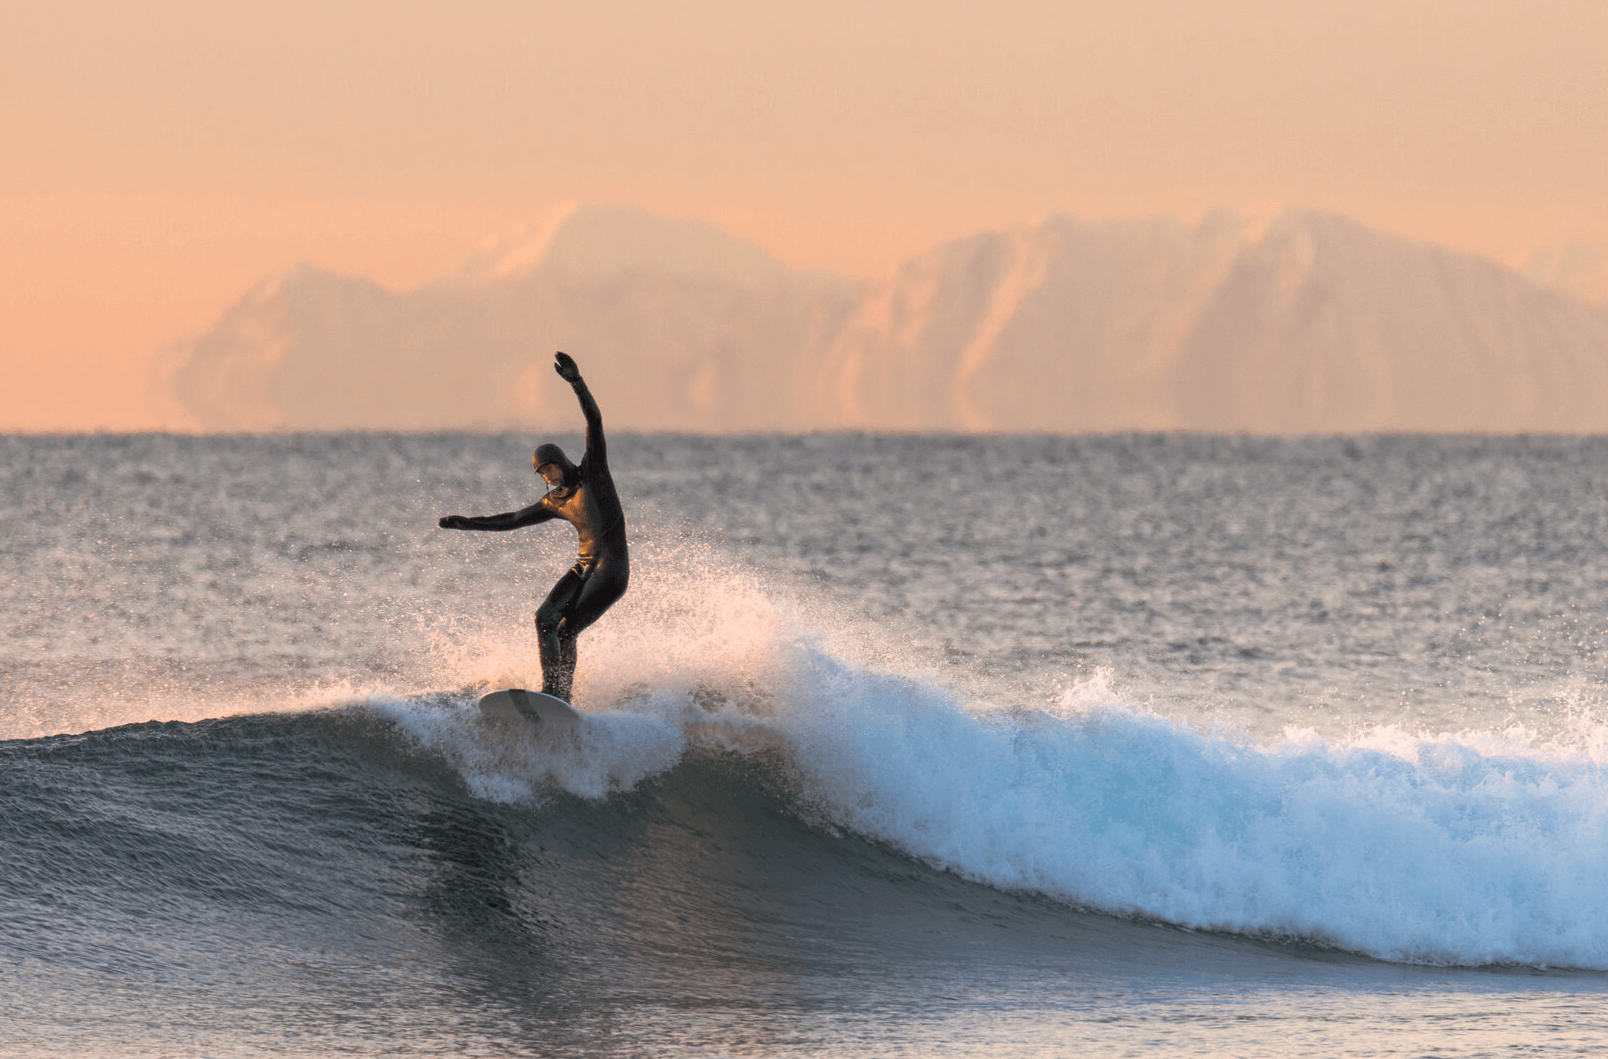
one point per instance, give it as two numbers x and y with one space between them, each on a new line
157 157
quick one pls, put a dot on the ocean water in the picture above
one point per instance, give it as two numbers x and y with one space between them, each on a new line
1003 746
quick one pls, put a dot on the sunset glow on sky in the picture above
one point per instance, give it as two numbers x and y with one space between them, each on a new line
161 156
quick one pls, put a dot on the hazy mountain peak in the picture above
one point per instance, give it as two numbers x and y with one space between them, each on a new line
1576 269
1300 320
518 249
602 242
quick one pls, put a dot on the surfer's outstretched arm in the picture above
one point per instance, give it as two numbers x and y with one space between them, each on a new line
508 520
564 364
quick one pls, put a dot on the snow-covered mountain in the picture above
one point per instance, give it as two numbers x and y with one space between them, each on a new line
1309 322
1577 269
677 325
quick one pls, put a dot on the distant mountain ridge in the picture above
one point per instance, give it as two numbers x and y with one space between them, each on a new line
1307 323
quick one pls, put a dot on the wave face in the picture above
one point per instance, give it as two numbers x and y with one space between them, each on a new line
1449 850
1467 849
247 792
397 871
393 874
1462 850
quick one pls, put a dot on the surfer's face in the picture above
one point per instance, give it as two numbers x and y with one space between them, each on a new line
551 463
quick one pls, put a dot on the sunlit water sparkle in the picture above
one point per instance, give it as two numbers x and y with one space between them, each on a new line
898 745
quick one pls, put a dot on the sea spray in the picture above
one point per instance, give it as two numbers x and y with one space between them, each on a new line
1472 848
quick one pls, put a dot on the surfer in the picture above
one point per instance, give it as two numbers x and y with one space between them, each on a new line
583 496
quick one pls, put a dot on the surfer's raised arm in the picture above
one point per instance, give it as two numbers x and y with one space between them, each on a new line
564 364
508 520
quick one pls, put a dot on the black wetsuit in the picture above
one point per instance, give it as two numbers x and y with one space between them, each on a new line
588 501
603 567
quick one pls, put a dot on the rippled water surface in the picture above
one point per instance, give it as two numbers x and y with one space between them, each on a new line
897 745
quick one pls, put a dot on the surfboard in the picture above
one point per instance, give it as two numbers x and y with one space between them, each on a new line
519 704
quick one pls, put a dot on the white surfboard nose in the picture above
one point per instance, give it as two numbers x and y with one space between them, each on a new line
534 706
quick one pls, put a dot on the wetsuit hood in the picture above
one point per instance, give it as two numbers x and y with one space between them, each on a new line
550 453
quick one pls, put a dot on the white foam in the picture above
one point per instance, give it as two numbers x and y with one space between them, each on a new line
1461 849
517 762
1471 848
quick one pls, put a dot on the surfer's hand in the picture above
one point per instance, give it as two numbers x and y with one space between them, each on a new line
564 364
451 522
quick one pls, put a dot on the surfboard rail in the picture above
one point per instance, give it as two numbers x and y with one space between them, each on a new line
533 706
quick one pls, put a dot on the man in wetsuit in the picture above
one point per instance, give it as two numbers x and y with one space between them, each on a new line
584 497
